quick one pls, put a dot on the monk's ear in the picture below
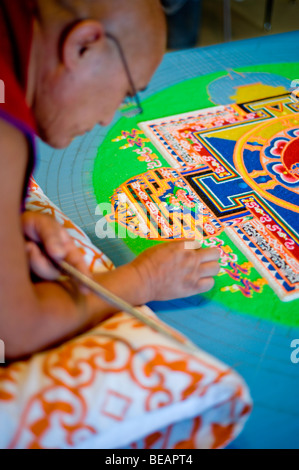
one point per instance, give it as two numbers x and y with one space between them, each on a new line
82 38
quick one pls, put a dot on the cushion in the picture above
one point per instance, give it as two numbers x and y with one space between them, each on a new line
119 385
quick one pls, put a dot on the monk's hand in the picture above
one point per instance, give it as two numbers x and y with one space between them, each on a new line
43 233
170 271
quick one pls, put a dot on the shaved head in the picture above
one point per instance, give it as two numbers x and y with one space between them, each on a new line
81 79
135 21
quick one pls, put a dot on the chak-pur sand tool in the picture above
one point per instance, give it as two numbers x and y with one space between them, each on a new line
123 306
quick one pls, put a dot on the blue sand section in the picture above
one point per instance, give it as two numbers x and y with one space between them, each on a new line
225 191
260 351
236 186
222 90
179 66
224 147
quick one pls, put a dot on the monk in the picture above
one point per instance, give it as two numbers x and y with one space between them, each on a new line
62 67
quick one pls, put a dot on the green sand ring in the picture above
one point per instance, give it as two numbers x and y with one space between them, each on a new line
113 167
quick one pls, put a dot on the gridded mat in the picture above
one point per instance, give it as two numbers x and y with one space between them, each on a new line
262 351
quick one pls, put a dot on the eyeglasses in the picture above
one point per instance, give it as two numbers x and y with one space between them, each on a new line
131 105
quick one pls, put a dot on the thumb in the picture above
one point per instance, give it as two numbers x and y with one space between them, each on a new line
40 264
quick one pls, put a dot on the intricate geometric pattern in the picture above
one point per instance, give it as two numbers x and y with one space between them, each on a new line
234 169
